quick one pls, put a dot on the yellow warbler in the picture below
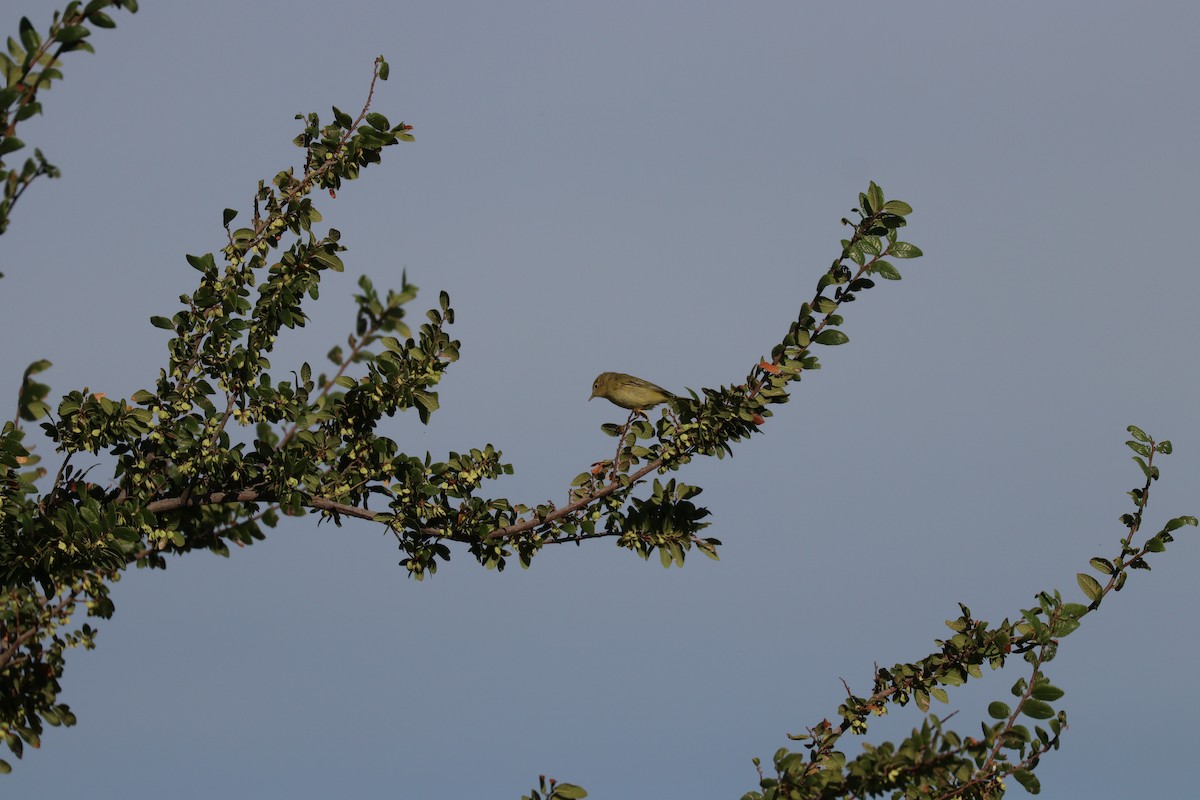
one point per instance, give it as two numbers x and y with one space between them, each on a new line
628 391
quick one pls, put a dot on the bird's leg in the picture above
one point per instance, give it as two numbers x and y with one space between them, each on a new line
621 440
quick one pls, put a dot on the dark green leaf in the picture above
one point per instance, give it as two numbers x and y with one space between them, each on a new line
1037 709
29 35
1138 433
1179 522
998 710
101 20
41 365
330 260
831 338
1028 781
72 34
1048 692
162 322
1138 447
204 263
569 791
10 144
127 534
227 216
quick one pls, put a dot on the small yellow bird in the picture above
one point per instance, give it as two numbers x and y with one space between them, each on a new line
629 392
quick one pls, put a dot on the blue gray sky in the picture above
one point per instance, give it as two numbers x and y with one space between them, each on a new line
650 188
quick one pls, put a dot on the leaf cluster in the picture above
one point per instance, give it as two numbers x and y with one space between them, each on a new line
219 448
31 65
933 761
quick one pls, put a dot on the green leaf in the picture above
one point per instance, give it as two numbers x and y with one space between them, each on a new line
72 34
1102 565
378 121
904 250
831 338
1138 433
101 20
29 35
998 710
227 216
346 381
141 397
41 365
384 69
10 144
1090 586
162 322
885 270
1048 692
898 207
1179 522
204 263
1037 709
569 791
127 534
330 260
1028 781
1138 448
874 199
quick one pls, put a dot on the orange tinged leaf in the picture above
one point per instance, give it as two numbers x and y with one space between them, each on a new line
767 366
